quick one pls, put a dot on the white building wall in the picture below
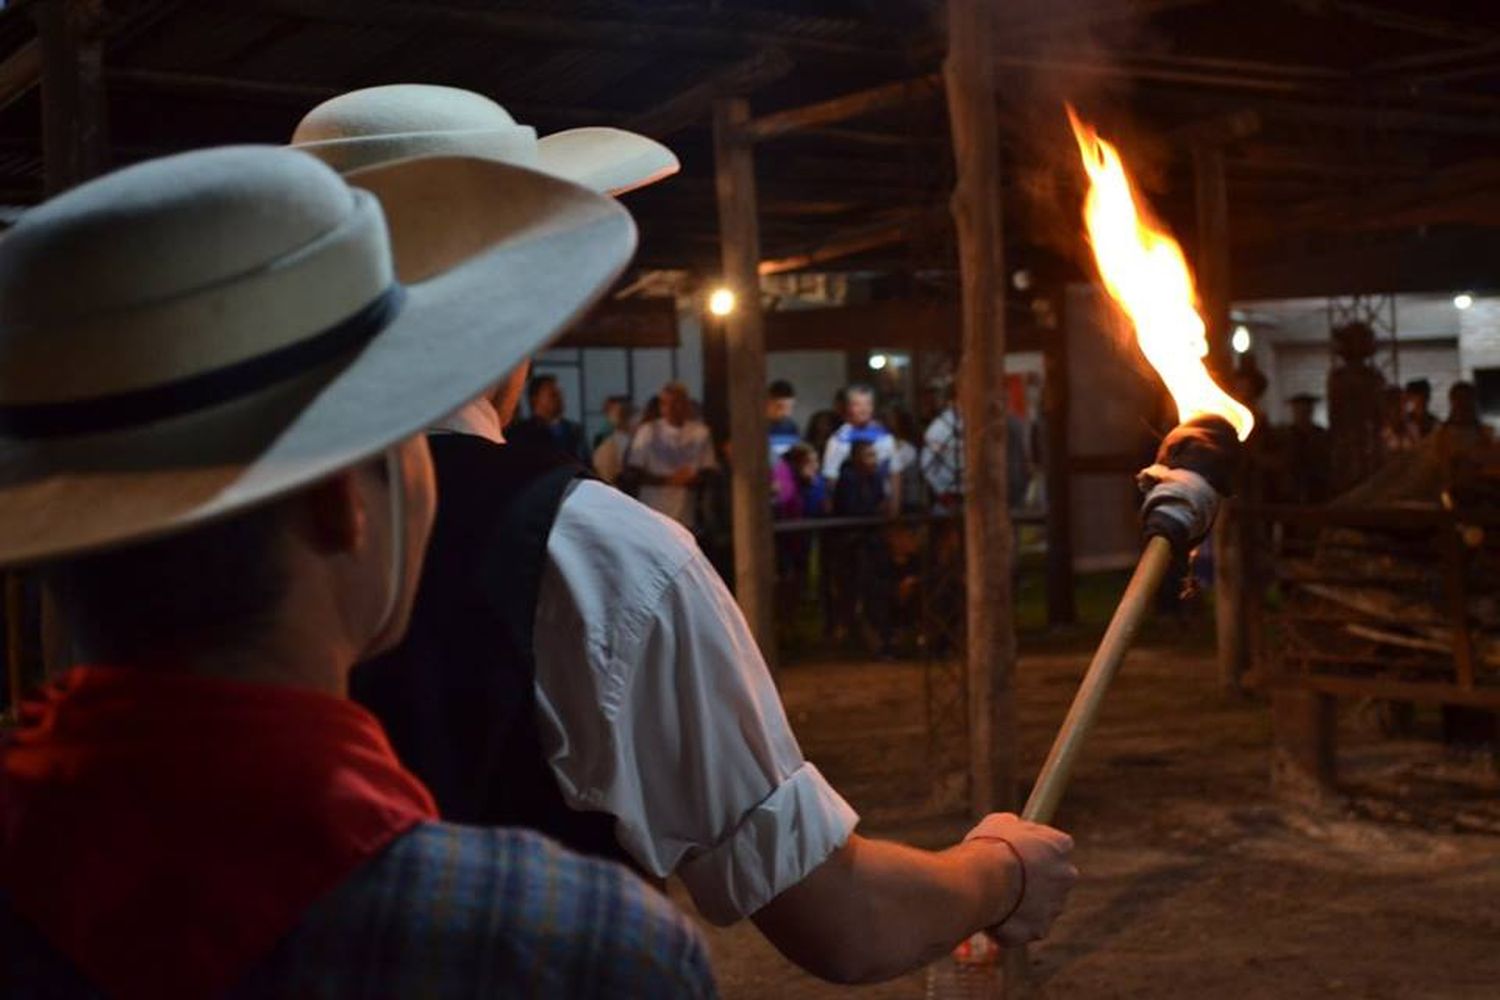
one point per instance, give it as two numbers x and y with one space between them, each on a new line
590 375
816 375
1435 341
1479 342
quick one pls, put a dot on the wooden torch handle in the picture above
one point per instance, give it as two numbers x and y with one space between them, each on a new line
1053 780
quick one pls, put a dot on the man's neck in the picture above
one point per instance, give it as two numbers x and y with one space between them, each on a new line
307 643
326 674
477 419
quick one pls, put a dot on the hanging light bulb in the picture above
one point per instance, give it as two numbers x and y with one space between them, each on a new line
721 302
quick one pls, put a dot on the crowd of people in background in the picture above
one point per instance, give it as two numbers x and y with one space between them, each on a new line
889 461
864 465
855 462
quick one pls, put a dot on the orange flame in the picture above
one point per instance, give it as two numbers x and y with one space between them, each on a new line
1146 274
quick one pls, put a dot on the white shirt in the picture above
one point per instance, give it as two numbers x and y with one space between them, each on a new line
609 457
655 706
662 449
943 453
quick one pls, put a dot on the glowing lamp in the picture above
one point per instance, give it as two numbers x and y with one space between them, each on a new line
721 302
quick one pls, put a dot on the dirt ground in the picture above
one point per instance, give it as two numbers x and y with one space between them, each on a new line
1197 882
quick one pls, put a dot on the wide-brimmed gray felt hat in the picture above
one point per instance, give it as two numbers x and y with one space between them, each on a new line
392 122
197 334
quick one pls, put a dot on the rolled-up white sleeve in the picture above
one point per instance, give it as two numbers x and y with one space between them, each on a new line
772 848
656 707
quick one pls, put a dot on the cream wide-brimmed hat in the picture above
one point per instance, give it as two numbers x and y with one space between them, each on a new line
197 334
383 124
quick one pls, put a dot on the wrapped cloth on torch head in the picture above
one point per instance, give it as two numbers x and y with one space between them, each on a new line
1194 467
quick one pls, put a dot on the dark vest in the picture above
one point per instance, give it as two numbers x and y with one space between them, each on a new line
457 697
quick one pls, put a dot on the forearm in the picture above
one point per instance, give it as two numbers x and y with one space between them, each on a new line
875 909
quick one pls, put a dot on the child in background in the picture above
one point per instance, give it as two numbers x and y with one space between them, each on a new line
798 492
860 491
865 575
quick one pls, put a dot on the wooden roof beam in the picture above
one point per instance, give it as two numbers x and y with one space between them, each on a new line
871 138
21 71
844 107
1440 58
693 105
535 24
266 90
1219 130
1342 116
847 244
1465 194
274 91
1399 20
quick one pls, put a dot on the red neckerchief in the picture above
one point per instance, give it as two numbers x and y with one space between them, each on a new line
163 831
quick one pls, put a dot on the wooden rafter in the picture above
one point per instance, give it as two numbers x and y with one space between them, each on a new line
695 104
854 241
845 107
226 86
20 72
681 34
1400 21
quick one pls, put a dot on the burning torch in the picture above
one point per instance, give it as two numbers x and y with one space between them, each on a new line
1144 272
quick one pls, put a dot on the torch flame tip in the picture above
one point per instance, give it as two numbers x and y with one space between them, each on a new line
1144 271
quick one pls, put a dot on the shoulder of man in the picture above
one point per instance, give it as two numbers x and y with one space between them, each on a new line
602 533
498 911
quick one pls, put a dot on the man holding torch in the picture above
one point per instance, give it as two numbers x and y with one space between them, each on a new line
571 634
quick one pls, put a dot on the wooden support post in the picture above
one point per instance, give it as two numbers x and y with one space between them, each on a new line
1061 605
1304 728
1212 200
750 485
72 40
969 75
1213 289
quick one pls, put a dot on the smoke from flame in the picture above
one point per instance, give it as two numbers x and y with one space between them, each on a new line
1144 271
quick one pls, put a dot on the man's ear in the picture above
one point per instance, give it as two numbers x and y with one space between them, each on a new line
334 514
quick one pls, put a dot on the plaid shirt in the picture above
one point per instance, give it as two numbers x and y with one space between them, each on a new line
450 911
